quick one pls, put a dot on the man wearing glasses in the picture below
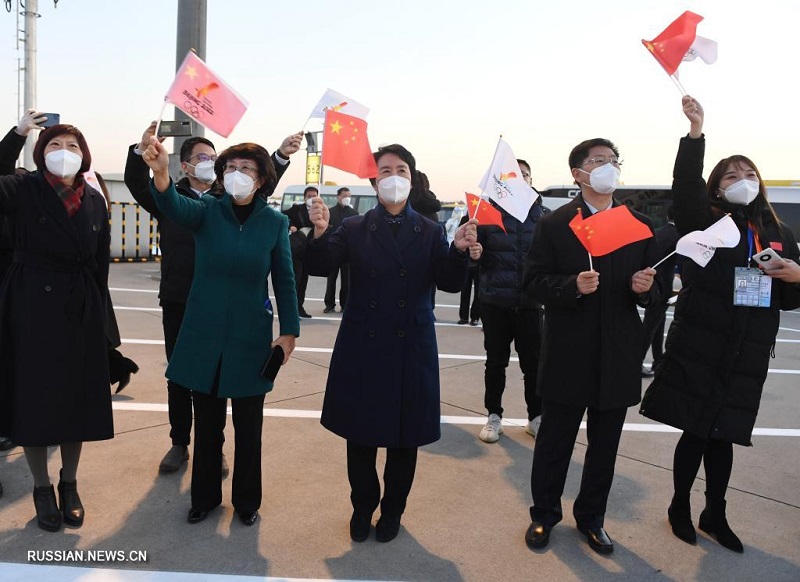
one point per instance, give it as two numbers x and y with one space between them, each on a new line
197 157
591 352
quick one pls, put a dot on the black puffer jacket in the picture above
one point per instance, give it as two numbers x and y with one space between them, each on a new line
717 354
503 261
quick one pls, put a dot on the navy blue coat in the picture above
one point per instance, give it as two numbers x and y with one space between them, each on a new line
383 383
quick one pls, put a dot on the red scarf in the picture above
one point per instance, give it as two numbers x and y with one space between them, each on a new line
70 196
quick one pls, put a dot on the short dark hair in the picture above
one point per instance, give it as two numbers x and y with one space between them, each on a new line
522 162
342 189
404 155
581 151
188 146
255 153
310 189
55 131
400 152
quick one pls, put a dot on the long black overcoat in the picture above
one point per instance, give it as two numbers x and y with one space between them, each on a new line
591 354
717 354
53 351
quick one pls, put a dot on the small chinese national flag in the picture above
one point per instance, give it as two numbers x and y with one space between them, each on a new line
679 42
204 96
484 211
606 231
345 145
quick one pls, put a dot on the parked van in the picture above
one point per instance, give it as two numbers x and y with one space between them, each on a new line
362 198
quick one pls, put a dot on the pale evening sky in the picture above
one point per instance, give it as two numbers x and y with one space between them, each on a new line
444 78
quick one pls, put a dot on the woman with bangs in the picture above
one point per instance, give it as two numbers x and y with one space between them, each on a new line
723 333
54 358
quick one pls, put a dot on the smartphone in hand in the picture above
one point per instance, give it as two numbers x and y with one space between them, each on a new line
52 119
767 258
273 364
175 129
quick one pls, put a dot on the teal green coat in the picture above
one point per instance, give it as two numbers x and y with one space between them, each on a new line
226 323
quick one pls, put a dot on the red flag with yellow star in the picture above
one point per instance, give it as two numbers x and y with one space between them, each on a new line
345 145
608 230
483 211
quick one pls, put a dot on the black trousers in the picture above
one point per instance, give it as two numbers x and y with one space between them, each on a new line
301 281
365 488
465 312
655 318
248 419
501 326
179 398
551 458
330 290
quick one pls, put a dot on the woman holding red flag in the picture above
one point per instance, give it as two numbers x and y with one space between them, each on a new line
719 345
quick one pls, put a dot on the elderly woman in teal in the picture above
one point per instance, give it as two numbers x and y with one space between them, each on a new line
226 335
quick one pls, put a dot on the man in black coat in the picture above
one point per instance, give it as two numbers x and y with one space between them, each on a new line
339 212
591 353
655 314
197 157
299 227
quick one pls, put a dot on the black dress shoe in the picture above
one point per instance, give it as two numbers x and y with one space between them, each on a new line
538 535
387 528
47 514
70 503
6 444
196 515
463 322
329 310
248 517
647 372
304 314
360 525
473 322
598 539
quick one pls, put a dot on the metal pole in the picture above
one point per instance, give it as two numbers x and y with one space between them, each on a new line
31 14
191 35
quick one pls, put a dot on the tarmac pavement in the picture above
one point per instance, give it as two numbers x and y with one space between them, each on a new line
467 512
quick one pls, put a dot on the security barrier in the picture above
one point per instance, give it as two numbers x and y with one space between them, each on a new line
134 234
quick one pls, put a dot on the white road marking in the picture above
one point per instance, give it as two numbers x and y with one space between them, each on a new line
25 572
465 357
466 420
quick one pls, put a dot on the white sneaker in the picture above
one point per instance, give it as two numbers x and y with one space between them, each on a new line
491 431
532 428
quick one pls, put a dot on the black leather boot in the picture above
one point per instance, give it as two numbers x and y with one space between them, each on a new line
713 522
680 518
47 515
70 502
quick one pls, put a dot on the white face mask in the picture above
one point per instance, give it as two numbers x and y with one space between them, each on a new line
204 171
346 201
62 163
238 185
604 179
741 192
394 189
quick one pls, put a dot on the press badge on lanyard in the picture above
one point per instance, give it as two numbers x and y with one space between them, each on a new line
751 287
